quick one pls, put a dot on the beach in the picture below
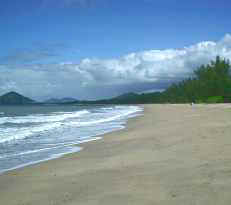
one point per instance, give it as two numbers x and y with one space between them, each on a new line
172 154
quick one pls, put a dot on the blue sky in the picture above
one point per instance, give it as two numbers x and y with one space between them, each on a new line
42 35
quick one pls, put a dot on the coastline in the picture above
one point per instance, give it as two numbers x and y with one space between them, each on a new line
68 138
76 147
173 154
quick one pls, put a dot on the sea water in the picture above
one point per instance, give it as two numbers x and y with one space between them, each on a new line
31 134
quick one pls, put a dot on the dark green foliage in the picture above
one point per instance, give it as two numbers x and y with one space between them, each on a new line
211 80
215 99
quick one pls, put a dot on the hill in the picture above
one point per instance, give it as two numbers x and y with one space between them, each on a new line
13 98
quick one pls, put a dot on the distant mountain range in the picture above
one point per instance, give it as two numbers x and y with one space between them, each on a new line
13 98
128 98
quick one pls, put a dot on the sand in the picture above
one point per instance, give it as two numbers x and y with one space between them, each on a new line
174 154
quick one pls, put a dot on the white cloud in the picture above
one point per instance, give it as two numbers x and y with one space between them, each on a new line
94 78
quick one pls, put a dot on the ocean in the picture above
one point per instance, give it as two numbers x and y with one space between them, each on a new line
31 134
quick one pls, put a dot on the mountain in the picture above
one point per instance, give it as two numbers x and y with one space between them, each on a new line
13 98
127 98
61 100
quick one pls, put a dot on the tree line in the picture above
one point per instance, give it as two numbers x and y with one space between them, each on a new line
209 83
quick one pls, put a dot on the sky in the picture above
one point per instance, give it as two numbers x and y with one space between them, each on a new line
93 49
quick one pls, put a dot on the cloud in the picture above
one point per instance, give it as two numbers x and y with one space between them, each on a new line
98 78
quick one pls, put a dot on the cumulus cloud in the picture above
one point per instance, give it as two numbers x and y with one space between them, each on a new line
99 78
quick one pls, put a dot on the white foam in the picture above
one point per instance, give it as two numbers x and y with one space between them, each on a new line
9 134
117 115
106 108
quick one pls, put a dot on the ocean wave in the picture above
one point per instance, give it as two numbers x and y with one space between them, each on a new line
12 134
61 120
38 118
55 134
55 146
118 115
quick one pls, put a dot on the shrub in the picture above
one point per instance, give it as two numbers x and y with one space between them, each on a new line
215 99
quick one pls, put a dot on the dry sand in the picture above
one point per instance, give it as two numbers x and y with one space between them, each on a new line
174 154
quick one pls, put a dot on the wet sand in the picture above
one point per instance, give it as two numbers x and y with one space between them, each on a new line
172 155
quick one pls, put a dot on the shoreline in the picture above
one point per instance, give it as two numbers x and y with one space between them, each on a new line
173 154
76 147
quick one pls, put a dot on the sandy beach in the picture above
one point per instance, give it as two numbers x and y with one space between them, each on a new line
172 155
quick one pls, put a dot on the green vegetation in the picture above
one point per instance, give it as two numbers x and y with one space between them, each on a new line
215 99
209 84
